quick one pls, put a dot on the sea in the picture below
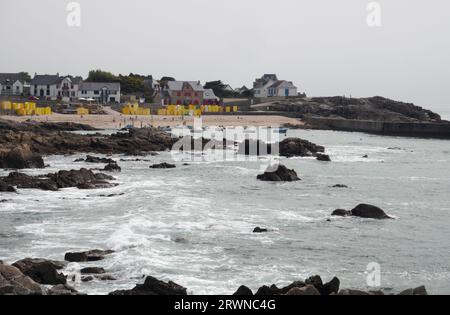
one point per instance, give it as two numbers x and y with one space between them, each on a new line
193 224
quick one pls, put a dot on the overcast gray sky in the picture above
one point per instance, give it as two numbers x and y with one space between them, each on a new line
324 46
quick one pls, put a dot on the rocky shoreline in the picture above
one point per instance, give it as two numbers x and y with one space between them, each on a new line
45 277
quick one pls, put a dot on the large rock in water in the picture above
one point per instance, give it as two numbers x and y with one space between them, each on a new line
163 166
370 212
14 282
82 179
21 157
6 188
292 147
92 255
282 174
42 271
153 286
363 211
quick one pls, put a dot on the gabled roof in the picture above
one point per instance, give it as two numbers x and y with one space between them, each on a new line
74 80
96 86
209 95
46 79
11 78
279 83
178 85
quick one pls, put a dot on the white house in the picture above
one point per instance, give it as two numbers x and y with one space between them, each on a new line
101 92
270 86
12 83
68 88
45 86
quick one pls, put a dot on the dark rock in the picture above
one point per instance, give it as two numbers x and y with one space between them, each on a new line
417 291
306 290
87 279
112 167
370 212
260 230
331 287
6 188
14 282
323 157
83 179
363 211
63 290
105 278
296 284
282 174
243 291
353 292
316 281
365 156
267 291
153 286
92 255
94 159
21 157
341 213
163 166
292 147
339 186
92 271
42 271
420 291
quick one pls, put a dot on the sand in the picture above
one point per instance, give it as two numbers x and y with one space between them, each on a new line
113 121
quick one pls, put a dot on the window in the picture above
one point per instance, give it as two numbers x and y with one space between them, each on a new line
73 93
96 92
178 93
48 92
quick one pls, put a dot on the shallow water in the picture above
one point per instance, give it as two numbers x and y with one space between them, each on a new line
193 224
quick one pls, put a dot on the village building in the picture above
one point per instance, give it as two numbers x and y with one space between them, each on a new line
45 86
269 86
100 92
183 93
12 84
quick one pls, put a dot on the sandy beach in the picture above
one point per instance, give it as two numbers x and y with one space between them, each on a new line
113 121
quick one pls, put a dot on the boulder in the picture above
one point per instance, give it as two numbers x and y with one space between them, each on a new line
153 286
339 186
112 167
282 174
417 291
293 147
92 255
21 157
63 290
363 211
370 212
92 271
341 213
267 291
331 287
42 271
82 179
306 290
353 292
94 159
87 279
6 188
243 291
14 282
259 230
163 166
323 157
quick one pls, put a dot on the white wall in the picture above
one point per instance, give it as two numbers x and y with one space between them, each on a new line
53 91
